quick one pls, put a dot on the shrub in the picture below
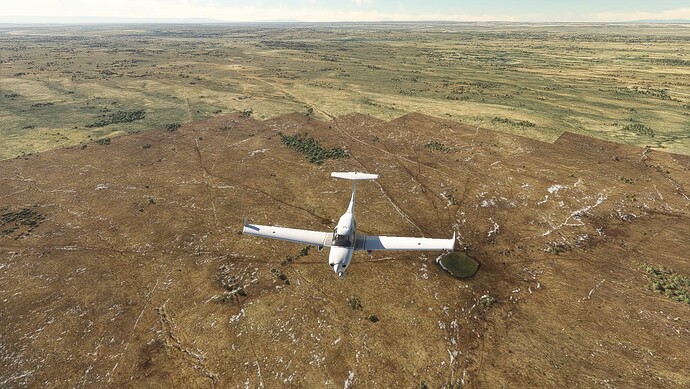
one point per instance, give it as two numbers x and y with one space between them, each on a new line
627 180
279 273
639 129
675 286
118 117
557 247
303 253
521 123
173 126
487 300
434 145
354 303
26 219
311 148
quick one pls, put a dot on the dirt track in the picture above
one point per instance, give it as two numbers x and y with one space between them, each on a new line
120 274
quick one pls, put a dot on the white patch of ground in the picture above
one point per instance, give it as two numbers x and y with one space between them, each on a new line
555 188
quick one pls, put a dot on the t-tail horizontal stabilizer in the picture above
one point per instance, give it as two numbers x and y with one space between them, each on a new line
354 176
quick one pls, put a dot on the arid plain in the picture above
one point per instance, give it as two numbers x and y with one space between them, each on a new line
122 262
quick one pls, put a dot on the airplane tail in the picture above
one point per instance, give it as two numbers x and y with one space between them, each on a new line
354 177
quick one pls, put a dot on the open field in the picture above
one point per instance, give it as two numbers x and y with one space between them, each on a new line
121 262
625 83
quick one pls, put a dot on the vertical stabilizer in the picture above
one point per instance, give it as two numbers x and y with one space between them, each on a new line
351 207
354 177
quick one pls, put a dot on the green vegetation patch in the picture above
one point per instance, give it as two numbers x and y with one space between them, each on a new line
675 286
520 123
627 180
311 148
118 117
303 253
487 300
354 303
557 247
654 92
458 264
19 224
39 105
639 129
231 284
279 273
172 127
434 145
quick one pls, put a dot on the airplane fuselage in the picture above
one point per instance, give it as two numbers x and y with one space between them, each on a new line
343 244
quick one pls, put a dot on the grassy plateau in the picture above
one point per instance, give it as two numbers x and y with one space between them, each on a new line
63 85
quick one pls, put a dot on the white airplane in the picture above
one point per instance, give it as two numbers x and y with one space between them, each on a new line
344 241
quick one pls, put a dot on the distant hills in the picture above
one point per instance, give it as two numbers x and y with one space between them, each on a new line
130 20
103 20
661 21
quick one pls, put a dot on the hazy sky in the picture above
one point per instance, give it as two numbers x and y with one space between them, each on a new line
356 10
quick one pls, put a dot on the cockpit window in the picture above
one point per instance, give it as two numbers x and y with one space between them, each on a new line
342 240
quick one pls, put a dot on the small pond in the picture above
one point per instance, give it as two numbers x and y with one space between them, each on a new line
458 264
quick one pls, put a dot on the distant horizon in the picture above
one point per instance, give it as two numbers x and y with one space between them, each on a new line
317 11
91 20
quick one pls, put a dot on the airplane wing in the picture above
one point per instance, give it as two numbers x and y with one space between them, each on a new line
371 243
315 238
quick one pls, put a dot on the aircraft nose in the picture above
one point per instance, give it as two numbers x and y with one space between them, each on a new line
338 269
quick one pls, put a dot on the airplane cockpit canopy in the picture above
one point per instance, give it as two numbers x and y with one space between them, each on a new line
342 240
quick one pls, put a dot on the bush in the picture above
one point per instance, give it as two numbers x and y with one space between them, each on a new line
639 129
487 300
354 303
279 273
521 123
173 126
434 145
26 219
118 117
557 247
675 286
627 180
311 148
303 253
